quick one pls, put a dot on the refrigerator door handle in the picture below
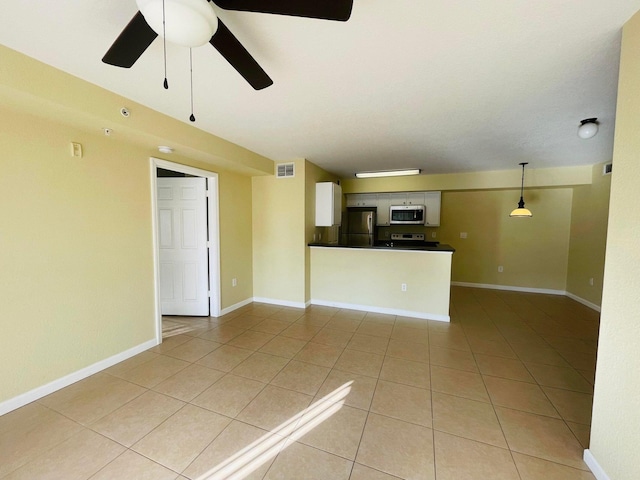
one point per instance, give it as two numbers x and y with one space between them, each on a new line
370 222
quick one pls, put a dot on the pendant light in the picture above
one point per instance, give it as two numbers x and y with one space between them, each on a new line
521 211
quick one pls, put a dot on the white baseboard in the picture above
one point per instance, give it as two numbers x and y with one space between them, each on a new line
39 392
510 288
547 291
594 466
389 311
236 306
584 302
282 303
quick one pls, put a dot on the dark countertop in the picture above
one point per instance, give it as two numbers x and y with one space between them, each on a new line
441 247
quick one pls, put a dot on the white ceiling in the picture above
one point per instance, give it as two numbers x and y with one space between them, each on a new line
442 85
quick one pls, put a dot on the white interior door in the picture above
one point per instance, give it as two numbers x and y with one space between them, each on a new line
182 238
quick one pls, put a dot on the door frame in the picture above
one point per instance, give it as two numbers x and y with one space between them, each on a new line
213 222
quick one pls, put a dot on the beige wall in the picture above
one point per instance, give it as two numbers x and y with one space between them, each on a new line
77 255
373 278
283 225
533 251
615 435
279 237
313 175
75 234
500 179
77 259
589 215
236 240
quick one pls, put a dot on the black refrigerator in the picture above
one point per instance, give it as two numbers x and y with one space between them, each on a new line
361 227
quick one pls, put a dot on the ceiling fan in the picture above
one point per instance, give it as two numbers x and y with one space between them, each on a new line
193 23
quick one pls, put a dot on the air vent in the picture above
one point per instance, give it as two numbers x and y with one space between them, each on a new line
284 170
607 169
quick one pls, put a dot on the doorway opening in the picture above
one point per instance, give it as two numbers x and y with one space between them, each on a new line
209 276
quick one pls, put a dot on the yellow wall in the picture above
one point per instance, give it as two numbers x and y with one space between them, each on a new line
533 251
313 175
589 215
500 179
373 278
77 259
279 237
283 225
236 244
76 267
615 435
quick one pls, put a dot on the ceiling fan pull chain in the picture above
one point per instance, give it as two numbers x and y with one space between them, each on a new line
191 117
164 45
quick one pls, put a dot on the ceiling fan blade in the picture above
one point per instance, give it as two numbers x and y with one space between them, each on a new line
323 9
232 50
131 43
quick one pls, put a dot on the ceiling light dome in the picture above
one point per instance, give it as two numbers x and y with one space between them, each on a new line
189 23
588 128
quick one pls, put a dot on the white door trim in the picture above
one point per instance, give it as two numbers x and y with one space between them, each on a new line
214 234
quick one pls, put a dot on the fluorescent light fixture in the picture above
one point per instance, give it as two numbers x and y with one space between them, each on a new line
389 173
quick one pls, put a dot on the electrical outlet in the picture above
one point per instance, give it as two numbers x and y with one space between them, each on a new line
403 287
234 282
433 234
500 269
591 281
314 237
463 234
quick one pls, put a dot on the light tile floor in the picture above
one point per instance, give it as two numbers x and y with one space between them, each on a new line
502 392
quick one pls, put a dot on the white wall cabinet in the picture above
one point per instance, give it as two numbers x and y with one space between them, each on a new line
432 202
415 198
382 201
362 200
328 204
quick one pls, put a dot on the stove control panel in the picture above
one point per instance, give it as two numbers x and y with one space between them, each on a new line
408 236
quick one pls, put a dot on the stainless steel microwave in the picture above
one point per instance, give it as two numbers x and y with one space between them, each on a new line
407 214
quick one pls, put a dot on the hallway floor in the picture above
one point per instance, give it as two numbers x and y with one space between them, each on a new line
504 391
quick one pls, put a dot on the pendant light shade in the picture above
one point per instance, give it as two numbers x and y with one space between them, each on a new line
521 211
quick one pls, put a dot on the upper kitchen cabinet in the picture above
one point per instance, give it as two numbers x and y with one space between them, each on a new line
384 203
362 200
407 198
432 202
328 204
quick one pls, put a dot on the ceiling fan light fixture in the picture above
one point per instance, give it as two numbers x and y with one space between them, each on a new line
189 23
588 128
388 173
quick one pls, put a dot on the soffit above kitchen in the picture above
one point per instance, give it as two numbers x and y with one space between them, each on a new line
437 85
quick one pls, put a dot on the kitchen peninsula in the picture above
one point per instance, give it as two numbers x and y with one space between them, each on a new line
407 281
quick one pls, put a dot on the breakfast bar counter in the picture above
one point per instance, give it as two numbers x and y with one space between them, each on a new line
411 281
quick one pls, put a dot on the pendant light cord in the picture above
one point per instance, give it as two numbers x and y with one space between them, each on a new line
521 202
191 117
164 46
